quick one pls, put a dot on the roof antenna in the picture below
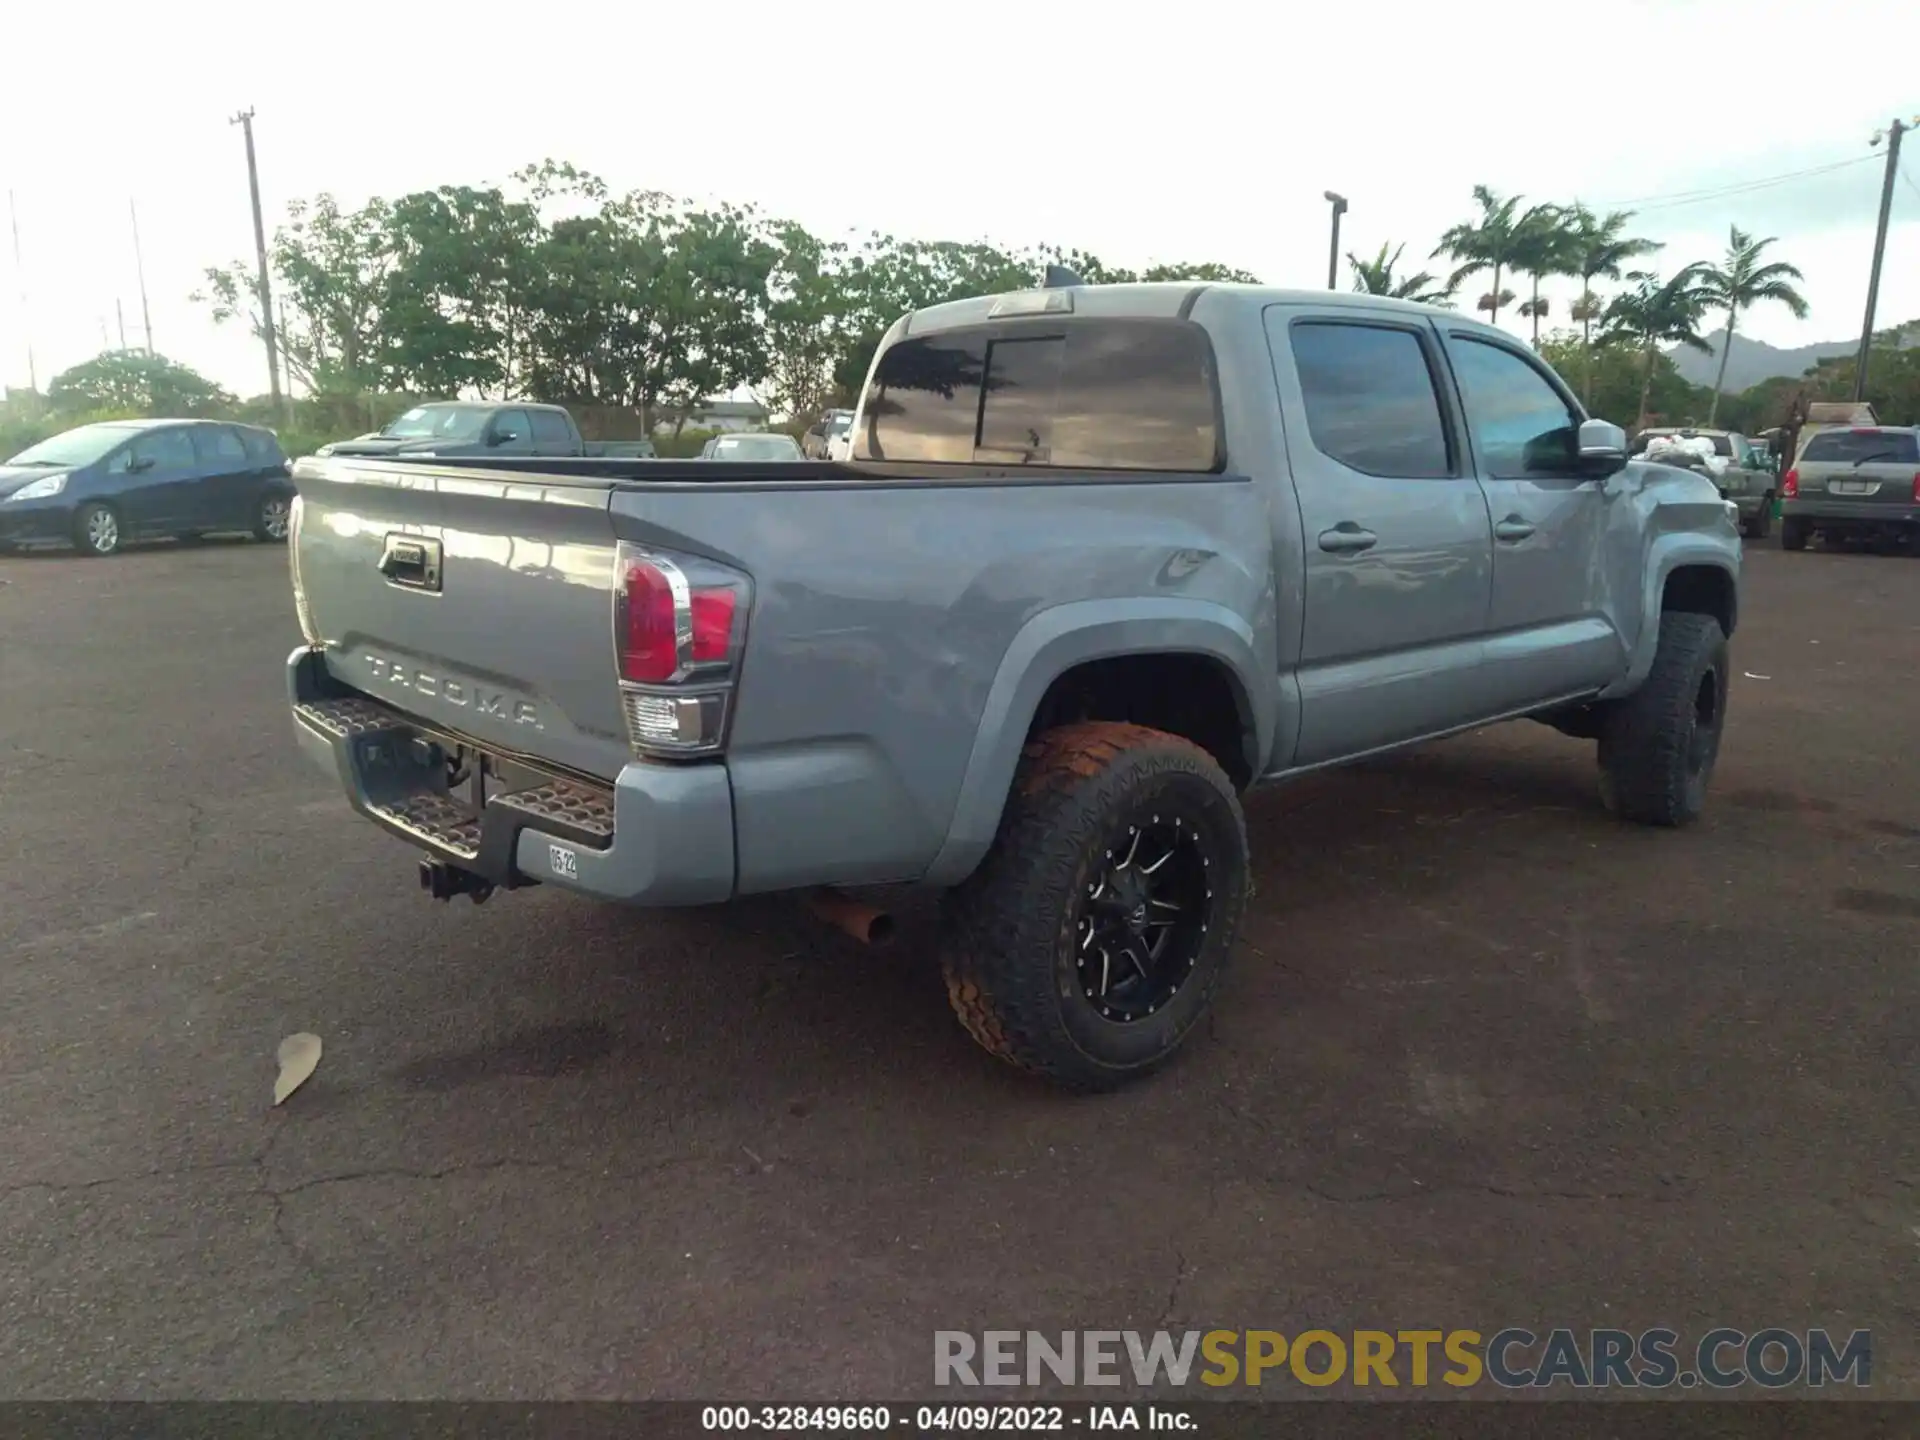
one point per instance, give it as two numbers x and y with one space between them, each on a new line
1060 278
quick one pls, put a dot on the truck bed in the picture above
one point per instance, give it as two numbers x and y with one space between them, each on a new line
885 602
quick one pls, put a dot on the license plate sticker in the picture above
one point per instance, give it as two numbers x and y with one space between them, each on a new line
1853 487
565 862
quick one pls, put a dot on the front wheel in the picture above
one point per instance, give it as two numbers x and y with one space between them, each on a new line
1659 744
271 518
1092 937
96 529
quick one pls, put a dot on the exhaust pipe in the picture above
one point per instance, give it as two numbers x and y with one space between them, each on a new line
443 881
868 925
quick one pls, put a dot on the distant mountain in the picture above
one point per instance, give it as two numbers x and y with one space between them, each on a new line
1754 360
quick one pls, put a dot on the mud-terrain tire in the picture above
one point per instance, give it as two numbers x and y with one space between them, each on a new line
1793 534
1050 946
1658 745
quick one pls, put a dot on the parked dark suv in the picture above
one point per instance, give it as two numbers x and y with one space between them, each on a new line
100 486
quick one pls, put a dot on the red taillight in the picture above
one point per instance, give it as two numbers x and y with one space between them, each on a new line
678 623
669 624
1916 487
1790 484
649 638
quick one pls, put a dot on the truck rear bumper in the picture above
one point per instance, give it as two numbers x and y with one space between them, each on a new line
658 835
1850 514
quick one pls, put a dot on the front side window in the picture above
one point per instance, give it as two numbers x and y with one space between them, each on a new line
166 449
1520 424
510 427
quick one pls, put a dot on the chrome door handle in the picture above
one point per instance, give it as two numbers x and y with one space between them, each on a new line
1512 528
1347 538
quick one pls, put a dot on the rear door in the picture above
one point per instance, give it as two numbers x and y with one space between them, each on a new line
1547 637
218 499
1863 472
1399 561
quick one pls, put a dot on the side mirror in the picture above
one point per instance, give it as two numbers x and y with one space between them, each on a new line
499 437
1602 448
139 463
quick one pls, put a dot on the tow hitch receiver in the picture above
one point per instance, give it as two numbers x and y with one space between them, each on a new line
443 881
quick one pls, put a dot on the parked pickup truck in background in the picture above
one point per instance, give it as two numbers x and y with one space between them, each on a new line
458 428
1105 558
1742 471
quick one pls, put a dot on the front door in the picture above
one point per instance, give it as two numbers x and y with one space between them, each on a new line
1398 566
1548 635
153 479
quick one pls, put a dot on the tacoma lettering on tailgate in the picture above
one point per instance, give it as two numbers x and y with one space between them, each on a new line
495 704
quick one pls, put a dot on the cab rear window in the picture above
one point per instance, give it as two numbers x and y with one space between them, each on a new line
1862 447
1094 394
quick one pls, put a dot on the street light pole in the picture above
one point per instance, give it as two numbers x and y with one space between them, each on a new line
1339 203
1879 254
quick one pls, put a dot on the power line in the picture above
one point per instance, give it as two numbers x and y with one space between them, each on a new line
1694 197
1909 179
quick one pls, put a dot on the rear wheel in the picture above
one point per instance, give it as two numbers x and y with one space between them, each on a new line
96 529
1092 937
1659 744
271 518
1793 534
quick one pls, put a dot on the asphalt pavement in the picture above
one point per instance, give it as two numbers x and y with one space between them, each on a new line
1487 1058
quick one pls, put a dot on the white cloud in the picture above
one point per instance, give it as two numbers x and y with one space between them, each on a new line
1206 131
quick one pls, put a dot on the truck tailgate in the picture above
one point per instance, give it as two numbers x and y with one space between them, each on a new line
479 602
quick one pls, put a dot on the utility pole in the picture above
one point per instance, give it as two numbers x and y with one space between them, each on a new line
120 318
1879 253
1339 203
140 269
13 212
245 121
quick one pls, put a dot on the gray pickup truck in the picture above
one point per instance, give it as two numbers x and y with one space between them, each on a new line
1106 557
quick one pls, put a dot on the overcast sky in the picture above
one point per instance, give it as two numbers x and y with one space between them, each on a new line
1203 131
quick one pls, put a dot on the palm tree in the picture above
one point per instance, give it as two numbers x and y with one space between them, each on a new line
1541 247
1376 277
1598 247
1739 282
1657 312
1486 243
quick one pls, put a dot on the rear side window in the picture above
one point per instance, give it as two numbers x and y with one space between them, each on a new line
1092 394
1863 447
215 445
262 447
1370 399
549 428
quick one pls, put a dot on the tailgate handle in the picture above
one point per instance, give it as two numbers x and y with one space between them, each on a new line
412 561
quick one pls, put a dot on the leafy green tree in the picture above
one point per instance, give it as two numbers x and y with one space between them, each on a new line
1618 371
804 319
1658 312
1486 243
331 272
1376 277
1739 282
138 382
1598 248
